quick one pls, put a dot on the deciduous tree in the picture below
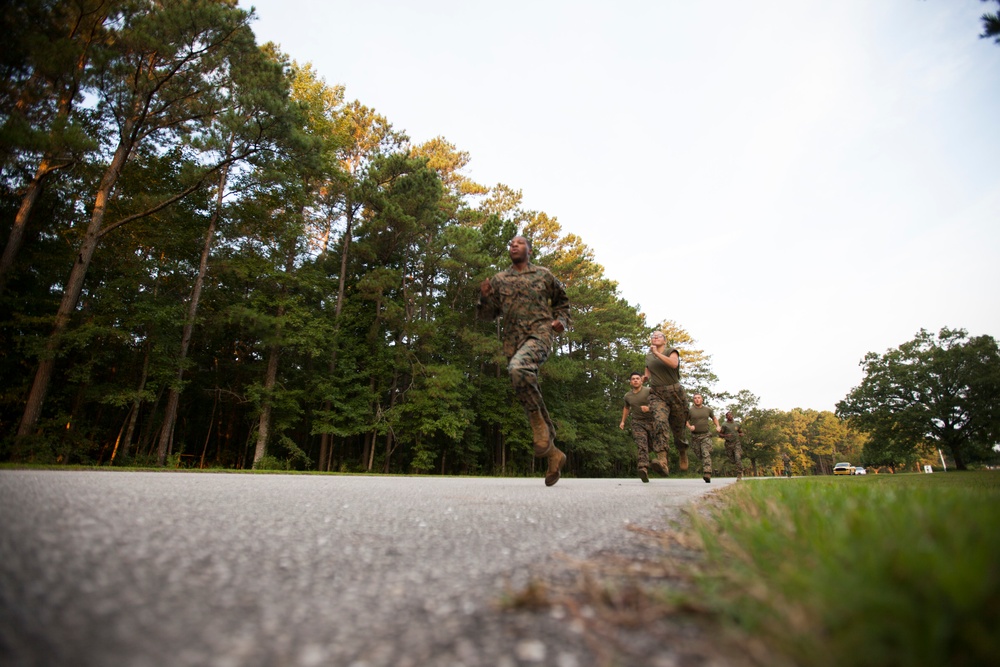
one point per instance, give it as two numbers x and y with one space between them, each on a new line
942 391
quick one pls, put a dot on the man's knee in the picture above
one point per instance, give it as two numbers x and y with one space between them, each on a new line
522 377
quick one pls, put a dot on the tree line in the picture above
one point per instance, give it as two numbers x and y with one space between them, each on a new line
214 258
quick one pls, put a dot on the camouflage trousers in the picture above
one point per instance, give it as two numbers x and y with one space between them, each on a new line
734 450
643 434
670 412
702 445
523 368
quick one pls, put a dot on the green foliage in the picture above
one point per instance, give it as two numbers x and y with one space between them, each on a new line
813 441
268 462
44 45
876 570
331 245
763 438
928 391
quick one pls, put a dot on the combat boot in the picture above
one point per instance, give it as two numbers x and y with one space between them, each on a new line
707 477
682 459
643 475
659 464
556 461
540 434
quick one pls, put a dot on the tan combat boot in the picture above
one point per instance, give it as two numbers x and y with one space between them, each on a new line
540 435
659 464
682 459
556 461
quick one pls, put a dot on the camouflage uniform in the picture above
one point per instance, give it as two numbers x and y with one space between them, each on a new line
668 403
642 424
702 444
529 302
701 437
734 450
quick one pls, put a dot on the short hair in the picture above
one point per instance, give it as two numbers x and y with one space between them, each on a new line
635 373
526 240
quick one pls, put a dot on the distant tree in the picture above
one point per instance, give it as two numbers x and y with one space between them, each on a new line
893 453
926 391
763 429
763 439
742 404
827 434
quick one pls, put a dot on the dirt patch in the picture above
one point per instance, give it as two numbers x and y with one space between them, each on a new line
637 606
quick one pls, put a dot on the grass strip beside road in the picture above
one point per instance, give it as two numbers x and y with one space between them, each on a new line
874 570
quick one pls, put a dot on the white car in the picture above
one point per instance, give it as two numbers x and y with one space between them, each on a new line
860 471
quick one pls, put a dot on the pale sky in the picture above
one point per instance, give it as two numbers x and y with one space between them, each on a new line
794 182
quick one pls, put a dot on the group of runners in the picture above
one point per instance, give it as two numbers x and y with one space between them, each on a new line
534 308
662 407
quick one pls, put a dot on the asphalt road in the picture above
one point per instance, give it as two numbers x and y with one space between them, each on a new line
147 569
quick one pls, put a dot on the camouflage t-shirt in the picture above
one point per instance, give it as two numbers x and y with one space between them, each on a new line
529 301
635 400
700 417
660 374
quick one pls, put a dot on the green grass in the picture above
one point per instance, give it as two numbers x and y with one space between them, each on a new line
877 570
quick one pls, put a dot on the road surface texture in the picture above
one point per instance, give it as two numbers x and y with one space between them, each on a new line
150 569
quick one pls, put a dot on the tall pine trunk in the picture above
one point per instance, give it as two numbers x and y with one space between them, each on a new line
136 404
270 380
271 375
326 439
173 400
74 285
16 238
